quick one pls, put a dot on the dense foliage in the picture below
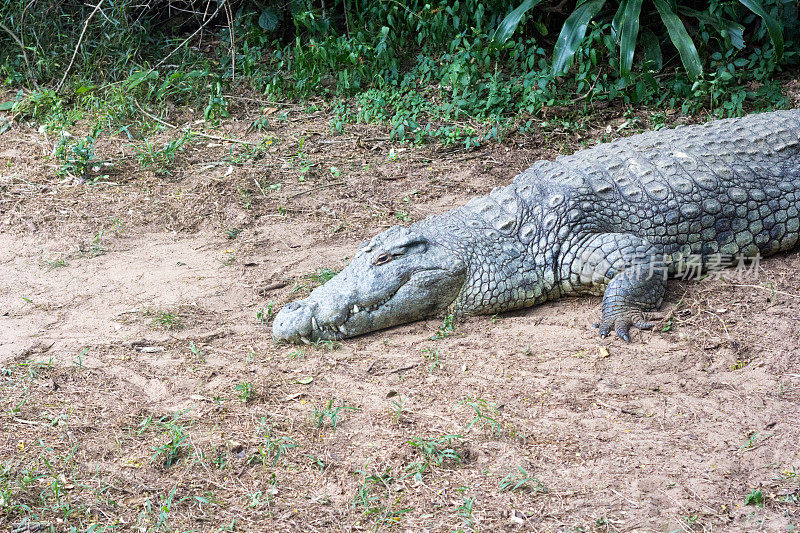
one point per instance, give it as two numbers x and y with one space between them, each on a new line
415 63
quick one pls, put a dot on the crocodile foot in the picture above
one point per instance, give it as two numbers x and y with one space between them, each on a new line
622 323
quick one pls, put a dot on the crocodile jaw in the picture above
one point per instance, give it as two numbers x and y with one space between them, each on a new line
420 281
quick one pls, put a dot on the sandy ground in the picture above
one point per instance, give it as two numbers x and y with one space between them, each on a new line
141 390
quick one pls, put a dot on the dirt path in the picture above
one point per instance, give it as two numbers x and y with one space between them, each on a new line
140 386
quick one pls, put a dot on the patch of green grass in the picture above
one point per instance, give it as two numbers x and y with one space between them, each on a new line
296 354
432 356
76 157
97 247
446 329
756 497
315 279
52 264
465 513
331 413
438 452
398 408
79 360
177 443
245 391
375 499
486 415
328 344
266 313
272 447
521 481
162 160
169 320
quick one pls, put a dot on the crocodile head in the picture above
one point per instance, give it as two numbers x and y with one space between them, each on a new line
399 276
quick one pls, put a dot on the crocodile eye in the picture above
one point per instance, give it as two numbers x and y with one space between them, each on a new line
381 259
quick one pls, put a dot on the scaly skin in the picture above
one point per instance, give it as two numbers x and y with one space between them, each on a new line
616 220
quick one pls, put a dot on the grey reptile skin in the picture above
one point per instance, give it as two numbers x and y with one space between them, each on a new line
616 219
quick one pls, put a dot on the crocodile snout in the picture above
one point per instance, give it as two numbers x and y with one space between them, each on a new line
293 322
311 320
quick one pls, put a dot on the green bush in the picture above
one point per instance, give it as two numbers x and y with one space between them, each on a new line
457 71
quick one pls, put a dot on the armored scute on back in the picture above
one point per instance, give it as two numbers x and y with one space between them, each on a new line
617 220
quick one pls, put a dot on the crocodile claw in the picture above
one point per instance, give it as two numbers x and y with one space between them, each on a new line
621 325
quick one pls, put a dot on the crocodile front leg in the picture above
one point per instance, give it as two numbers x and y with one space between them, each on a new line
628 270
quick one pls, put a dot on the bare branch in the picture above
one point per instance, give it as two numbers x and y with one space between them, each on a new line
77 46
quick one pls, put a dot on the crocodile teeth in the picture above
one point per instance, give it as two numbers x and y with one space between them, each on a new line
342 328
305 340
314 324
355 309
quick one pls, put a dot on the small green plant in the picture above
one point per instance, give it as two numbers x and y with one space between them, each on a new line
296 354
266 313
232 233
97 248
52 264
217 106
756 497
331 413
261 123
37 105
79 360
521 481
272 447
162 160
486 415
398 409
245 390
434 452
76 156
197 352
432 356
446 329
371 497
752 439
315 279
168 320
328 344
177 445
465 512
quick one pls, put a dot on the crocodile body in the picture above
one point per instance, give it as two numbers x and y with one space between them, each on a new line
616 219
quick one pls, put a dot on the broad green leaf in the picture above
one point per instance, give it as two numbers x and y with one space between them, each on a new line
508 25
680 38
139 76
628 35
733 32
268 20
5 106
616 22
652 50
572 34
774 27
305 381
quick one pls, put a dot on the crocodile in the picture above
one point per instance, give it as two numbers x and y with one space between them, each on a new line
616 220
